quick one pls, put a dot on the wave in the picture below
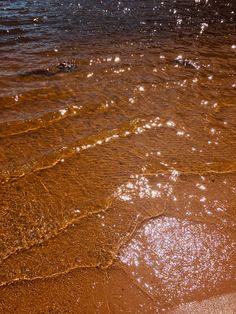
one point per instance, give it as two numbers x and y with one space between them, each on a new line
35 122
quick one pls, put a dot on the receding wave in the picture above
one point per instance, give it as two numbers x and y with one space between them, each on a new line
134 127
35 122
57 154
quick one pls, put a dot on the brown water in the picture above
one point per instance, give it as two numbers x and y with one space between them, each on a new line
118 166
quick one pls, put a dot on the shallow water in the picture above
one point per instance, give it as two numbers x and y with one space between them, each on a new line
118 145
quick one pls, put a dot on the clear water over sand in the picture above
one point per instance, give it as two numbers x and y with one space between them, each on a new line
117 154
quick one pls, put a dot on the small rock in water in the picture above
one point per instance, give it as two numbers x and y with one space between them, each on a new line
61 67
43 72
186 62
66 66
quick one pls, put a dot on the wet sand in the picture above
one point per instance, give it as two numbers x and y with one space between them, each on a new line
117 154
